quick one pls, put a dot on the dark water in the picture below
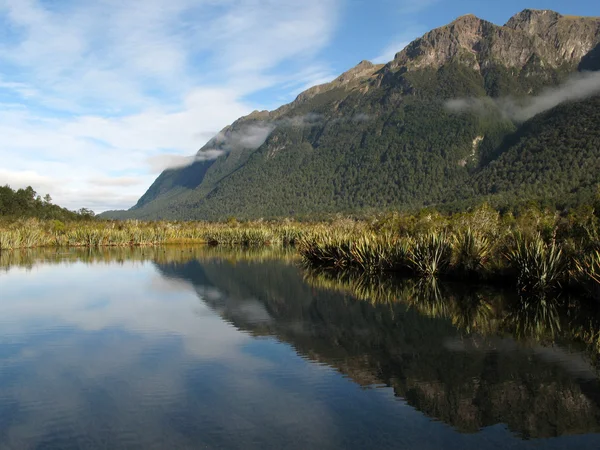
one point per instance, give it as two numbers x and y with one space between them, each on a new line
203 348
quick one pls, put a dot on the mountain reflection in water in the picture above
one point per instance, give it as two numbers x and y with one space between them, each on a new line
469 356
181 347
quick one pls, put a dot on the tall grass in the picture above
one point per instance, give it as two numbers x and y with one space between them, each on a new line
430 254
538 251
530 262
472 251
27 258
587 272
35 233
538 266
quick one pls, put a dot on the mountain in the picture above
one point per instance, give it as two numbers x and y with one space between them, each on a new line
462 114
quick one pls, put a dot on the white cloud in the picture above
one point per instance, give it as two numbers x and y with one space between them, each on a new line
106 89
24 178
158 163
114 181
577 87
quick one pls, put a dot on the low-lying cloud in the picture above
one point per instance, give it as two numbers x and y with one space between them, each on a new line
159 163
251 136
247 137
577 87
244 137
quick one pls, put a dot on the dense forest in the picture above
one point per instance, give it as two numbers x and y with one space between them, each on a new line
27 203
552 160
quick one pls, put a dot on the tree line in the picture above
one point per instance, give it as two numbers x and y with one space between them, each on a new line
27 203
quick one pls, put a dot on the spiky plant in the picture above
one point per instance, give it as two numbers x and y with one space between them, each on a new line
6 240
589 267
290 236
326 251
430 254
471 252
587 271
400 254
371 253
538 266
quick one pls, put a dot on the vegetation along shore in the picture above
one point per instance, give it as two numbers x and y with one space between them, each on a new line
539 251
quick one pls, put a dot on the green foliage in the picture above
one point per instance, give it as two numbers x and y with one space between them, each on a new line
430 254
539 267
587 270
553 159
471 252
26 203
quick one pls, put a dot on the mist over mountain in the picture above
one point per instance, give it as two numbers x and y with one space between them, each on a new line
469 112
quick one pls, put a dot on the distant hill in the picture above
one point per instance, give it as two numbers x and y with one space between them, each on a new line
462 114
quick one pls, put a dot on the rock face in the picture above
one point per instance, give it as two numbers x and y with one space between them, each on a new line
552 38
382 137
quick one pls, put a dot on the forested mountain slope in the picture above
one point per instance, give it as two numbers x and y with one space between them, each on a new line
455 118
553 158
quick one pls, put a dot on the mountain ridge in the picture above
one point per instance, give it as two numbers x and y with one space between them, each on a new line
333 138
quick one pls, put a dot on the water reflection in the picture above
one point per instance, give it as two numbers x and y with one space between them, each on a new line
471 357
198 347
480 309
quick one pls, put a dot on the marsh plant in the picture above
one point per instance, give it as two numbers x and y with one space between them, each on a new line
430 254
471 251
537 250
538 266
587 271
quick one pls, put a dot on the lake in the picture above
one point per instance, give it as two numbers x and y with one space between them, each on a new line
201 347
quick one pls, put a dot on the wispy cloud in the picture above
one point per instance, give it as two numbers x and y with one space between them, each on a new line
247 136
577 87
95 90
158 163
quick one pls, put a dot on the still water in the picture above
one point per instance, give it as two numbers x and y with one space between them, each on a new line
207 348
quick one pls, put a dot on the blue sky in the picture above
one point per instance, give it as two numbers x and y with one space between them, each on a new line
96 98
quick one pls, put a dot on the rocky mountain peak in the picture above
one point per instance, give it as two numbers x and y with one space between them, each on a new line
564 39
542 35
466 20
460 37
533 21
362 69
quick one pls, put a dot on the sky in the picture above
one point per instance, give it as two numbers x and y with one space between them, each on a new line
98 97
